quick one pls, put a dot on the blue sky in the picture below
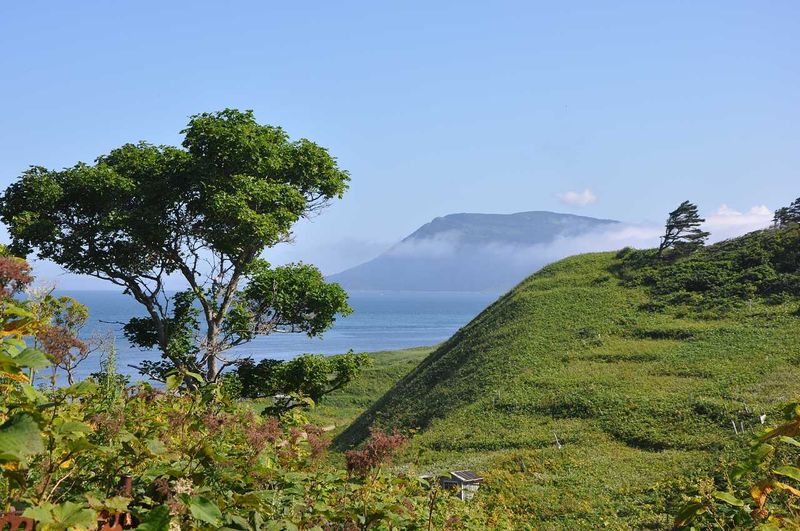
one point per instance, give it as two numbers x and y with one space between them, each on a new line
434 107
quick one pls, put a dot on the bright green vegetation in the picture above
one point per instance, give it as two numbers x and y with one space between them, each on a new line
760 491
188 457
637 365
342 406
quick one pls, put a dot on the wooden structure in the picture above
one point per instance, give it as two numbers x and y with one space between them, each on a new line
466 481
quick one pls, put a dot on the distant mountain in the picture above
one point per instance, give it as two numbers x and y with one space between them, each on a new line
470 252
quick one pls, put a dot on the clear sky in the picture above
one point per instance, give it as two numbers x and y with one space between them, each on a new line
609 109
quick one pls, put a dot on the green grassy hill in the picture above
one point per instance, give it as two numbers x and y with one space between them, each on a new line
637 365
342 406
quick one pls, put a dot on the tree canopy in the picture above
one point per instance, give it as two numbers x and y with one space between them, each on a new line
683 232
309 376
204 213
789 215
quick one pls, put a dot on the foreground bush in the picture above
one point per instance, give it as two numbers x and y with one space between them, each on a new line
187 456
195 460
761 492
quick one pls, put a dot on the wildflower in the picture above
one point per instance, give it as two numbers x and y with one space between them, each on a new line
183 486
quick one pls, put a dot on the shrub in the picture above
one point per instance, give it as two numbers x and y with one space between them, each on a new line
377 451
716 279
761 492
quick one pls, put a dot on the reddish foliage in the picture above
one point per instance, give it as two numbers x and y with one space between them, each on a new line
109 423
15 276
60 342
13 522
178 419
166 492
161 486
317 440
379 450
214 422
453 522
259 434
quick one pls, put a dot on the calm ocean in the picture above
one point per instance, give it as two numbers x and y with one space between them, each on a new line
380 321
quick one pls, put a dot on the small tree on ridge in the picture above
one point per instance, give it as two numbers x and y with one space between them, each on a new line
683 232
786 216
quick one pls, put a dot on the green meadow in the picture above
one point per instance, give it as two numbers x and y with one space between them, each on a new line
590 395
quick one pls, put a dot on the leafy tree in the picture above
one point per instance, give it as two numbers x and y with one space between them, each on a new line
204 213
786 216
308 376
683 231
52 323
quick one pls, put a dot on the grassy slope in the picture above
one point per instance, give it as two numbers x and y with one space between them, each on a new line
641 401
341 407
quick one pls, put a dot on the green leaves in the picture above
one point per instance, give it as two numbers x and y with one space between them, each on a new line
32 358
69 515
757 456
156 446
173 381
303 380
728 498
789 472
116 504
788 440
70 429
31 393
20 438
294 297
156 519
81 389
204 510
14 362
689 512
763 483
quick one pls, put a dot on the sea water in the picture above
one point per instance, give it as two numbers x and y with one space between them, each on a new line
380 321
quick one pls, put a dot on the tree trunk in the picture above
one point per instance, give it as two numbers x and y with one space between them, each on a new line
211 371
211 351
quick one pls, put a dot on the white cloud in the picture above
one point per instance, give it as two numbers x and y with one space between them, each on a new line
724 223
441 244
450 245
727 222
579 199
329 255
603 239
